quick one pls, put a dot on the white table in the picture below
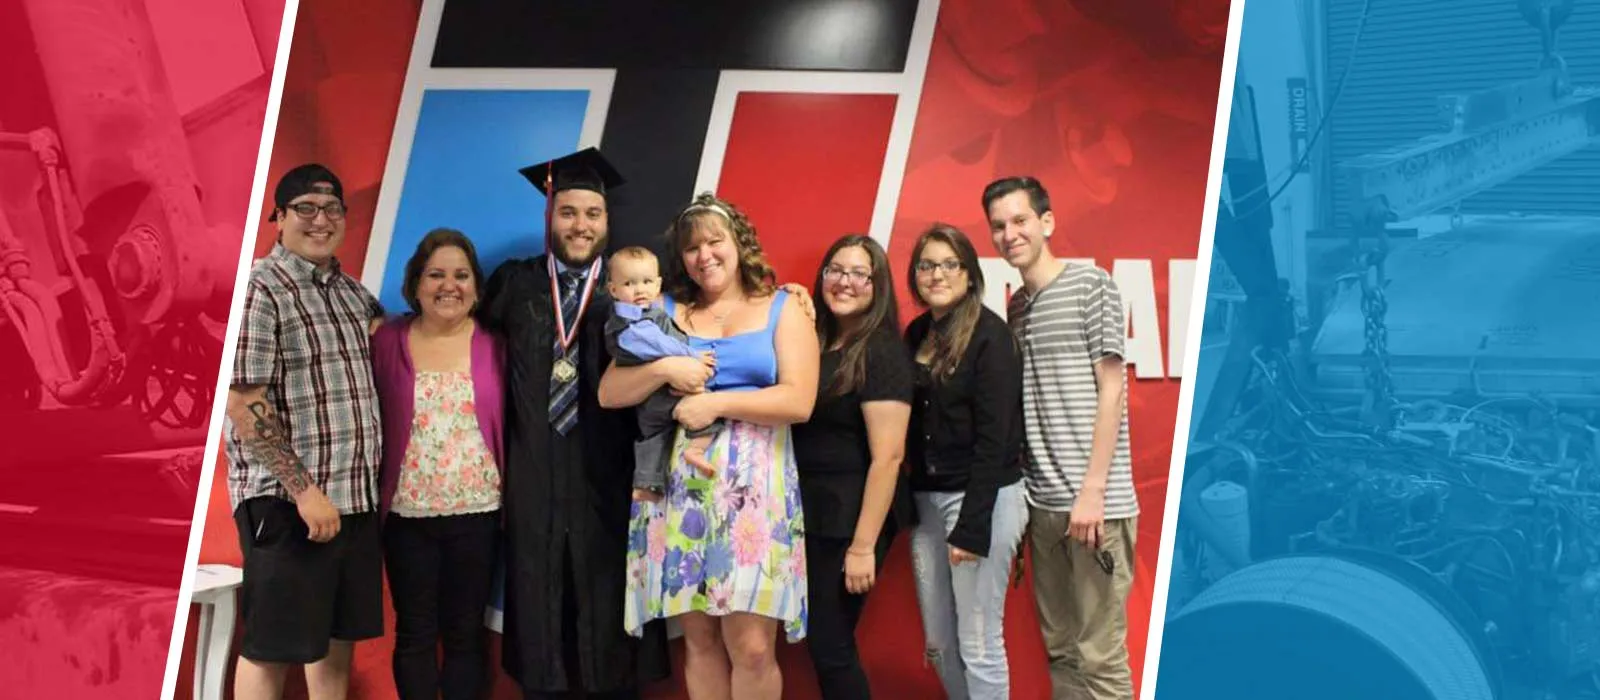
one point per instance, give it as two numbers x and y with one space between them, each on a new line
214 589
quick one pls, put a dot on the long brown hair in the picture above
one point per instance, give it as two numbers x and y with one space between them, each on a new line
950 344
755 273
881 313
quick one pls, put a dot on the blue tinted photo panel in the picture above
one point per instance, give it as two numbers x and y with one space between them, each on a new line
1391 487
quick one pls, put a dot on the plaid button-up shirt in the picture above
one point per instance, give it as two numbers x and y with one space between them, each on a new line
303 336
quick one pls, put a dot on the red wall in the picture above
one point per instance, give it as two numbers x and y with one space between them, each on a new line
1013 86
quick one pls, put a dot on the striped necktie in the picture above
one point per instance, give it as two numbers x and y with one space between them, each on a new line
564 394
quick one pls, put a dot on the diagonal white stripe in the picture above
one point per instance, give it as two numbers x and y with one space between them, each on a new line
230 346
1180 437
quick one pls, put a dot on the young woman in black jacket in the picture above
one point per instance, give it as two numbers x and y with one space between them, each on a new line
963 448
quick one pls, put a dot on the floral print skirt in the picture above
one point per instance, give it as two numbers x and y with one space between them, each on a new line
728 543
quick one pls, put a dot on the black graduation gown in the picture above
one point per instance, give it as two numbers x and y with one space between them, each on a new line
563 509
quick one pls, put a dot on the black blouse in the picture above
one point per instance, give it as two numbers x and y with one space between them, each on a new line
832 450
966 431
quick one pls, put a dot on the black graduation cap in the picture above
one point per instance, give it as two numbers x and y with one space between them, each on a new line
584 170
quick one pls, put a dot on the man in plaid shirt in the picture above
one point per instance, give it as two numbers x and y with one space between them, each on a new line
303 451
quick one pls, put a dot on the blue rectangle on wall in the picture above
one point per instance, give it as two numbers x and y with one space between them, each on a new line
462 172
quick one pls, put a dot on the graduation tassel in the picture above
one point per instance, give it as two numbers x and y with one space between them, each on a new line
549 206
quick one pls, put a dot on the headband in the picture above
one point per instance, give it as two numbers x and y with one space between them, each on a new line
713 207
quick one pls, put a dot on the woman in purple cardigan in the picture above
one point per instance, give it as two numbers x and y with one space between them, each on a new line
439 386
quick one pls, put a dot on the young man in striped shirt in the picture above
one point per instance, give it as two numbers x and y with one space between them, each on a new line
1083 511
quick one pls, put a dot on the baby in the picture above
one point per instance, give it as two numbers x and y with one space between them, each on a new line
641 331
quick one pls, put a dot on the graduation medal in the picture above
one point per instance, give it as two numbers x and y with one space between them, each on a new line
564 370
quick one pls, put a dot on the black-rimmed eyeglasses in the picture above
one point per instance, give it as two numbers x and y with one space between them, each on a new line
859 278
308 211
926 267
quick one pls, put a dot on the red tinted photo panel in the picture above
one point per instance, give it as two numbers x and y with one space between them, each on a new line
129 135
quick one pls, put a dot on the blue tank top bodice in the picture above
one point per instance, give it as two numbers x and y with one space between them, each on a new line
745 361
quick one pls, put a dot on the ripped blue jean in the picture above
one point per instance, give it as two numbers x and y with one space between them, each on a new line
963 607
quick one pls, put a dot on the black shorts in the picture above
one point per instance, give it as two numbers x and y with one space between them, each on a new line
298 594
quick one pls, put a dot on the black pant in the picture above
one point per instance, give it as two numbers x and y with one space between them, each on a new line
834 612
441 570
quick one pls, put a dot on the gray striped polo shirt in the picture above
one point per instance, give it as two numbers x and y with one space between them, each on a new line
1063 330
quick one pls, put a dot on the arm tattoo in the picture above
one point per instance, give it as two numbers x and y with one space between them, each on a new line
271 446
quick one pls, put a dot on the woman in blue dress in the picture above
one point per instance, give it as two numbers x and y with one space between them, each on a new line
724 553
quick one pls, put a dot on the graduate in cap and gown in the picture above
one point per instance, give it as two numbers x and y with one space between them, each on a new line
569 463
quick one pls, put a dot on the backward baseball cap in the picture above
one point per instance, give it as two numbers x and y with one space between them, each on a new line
302 180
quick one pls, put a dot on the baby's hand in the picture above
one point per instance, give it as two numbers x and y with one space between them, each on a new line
709 359
645 495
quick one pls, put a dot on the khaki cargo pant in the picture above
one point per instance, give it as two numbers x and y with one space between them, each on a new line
1082 609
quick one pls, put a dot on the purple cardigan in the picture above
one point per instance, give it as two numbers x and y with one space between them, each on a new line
396 382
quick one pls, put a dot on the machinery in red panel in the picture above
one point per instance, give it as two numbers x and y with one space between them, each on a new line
116 284
125 171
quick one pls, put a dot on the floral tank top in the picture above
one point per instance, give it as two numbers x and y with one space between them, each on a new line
448 469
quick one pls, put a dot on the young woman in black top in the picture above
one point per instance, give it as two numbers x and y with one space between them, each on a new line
963 447
849 452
